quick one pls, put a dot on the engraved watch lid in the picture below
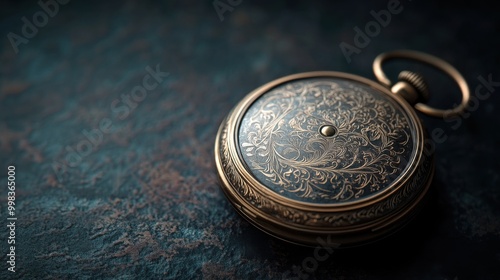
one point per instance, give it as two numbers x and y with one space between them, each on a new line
323 152
326 140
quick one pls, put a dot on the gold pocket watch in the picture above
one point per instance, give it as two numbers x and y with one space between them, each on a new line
330 154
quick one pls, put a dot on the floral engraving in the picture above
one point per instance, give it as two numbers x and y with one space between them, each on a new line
400 199
281 143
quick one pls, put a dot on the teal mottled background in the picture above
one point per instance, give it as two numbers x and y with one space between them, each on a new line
145 202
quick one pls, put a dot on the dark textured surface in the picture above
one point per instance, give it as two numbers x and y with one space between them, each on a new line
145 202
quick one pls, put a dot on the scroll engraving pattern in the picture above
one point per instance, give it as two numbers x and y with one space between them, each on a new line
280 141
315 219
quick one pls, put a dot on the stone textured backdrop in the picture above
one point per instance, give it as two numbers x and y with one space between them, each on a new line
142 200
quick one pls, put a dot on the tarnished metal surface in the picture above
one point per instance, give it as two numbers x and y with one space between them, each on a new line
280 140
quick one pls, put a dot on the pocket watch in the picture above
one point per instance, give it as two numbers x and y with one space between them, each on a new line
331 154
